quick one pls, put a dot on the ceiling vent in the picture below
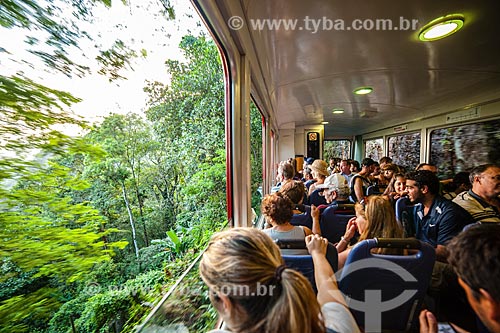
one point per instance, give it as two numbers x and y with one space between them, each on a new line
311 111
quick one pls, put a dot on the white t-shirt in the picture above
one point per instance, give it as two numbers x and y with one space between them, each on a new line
336 316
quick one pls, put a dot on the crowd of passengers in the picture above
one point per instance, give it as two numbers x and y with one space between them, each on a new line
460 219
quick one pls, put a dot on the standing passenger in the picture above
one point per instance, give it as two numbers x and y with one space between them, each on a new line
361 181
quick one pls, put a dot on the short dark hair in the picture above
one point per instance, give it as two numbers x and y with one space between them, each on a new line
425 177
385 159
355 163
367 162
461 178
477 171
421 165
475 257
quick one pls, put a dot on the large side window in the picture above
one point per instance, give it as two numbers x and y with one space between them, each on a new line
460 148
404 149
256 156
336 148
374 148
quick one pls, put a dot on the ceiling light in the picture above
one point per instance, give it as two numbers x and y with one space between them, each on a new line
338 111
324 123
441 27
363 90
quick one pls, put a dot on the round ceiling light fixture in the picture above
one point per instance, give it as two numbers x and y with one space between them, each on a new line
363 90
441 27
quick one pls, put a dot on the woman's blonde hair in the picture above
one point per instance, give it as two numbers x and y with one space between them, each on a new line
380 217
245 265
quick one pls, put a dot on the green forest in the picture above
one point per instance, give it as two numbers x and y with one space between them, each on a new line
94 229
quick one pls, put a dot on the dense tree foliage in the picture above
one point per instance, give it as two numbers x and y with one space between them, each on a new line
159 179
67 210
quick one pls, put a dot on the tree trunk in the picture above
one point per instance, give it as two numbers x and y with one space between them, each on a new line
131 218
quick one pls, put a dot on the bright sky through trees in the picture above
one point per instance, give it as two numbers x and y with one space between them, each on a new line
140 26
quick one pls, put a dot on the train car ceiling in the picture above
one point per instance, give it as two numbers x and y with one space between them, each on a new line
308 57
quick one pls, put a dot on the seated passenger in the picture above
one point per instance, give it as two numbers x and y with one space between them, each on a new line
387 172
319 172
345 170
278 211
336 190
459 184
354 167
384 160
295 191
482 200
437 220
254 292
286 172
375 175
475 256
397 187
427 166
308 178
374 218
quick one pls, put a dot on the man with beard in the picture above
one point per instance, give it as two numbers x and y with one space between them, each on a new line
436 219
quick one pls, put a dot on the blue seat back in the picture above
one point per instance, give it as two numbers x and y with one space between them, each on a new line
375 189
333 225
304 263
316 199
404 215
303 219
391 287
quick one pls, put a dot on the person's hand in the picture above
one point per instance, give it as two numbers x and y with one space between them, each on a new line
350 229
395 195
316 244
428 322
315 212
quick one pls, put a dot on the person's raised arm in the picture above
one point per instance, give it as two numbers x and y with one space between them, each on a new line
326 283
350 231
358 189
315 214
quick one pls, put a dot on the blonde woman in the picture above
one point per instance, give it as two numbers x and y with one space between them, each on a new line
254 292
319 172
374 218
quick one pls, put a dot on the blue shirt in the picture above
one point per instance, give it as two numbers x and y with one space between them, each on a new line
444 220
